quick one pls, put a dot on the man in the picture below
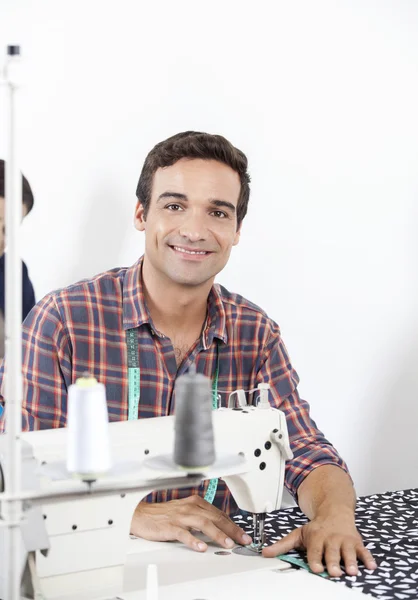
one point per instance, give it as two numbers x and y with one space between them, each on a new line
28 295
192 197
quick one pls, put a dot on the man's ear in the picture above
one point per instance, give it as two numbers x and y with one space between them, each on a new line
139 218
237 236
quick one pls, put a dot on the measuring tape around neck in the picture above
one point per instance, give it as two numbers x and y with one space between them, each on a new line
134 391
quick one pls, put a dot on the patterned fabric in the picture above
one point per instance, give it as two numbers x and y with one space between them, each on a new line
82 328
388 524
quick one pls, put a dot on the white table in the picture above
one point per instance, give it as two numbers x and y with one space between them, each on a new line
255 585
181 574
187 575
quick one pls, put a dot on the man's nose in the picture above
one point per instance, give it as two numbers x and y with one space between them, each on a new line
193 228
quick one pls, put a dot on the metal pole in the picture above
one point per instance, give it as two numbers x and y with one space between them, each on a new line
68 492
12 510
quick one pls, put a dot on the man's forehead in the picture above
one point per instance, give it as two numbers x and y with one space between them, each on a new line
197 176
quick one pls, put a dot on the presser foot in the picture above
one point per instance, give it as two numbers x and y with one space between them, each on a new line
258 532
250 550
257 548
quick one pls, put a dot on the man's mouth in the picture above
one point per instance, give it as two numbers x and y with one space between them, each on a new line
190 252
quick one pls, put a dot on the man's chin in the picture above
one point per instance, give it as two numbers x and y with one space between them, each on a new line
189 282
189 279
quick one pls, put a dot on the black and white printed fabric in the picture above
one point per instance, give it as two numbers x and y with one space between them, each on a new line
389 526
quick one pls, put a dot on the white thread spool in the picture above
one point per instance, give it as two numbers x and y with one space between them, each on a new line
264 395
88 446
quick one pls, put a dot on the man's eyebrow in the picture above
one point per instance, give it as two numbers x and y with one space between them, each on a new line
175 195
224 204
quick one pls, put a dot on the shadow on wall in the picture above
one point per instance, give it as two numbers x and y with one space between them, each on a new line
102 231
393 444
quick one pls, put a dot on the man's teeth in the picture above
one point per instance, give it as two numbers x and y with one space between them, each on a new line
189 251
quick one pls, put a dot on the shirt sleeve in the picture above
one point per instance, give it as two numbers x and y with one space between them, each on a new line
46 368
309 446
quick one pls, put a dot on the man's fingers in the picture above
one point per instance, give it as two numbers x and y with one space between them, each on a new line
212 531
223 522
367 558
290 541
217 535
232 530
188 539
173 521
333 559
349 556
315 551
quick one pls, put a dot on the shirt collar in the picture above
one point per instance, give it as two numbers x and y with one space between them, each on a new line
216 319
135 311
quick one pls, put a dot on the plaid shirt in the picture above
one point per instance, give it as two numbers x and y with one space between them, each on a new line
82 328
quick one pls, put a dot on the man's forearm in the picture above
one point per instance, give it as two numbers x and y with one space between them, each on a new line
327 498
326 489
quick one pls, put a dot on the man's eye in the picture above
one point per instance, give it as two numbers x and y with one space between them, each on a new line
174 207
220 214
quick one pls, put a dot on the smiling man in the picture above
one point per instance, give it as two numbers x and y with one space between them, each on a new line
193 193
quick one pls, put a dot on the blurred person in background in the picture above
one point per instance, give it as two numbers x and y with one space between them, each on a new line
28 295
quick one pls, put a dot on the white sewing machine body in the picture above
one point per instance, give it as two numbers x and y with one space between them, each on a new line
89 538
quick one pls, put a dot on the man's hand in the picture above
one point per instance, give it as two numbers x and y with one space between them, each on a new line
169 521
331 537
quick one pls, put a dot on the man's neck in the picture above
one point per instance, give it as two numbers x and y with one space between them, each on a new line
174 307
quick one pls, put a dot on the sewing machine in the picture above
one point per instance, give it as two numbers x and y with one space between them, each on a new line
88 539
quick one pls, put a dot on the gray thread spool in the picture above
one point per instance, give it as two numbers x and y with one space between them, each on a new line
194 446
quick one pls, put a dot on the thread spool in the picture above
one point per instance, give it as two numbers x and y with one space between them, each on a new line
194 446
88 446
264 395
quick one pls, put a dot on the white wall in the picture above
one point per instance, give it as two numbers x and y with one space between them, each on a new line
323 98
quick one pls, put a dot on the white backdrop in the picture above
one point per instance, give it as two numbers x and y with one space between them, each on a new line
323 97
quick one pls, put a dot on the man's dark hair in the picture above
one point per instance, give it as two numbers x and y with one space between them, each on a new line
194 144
27 196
